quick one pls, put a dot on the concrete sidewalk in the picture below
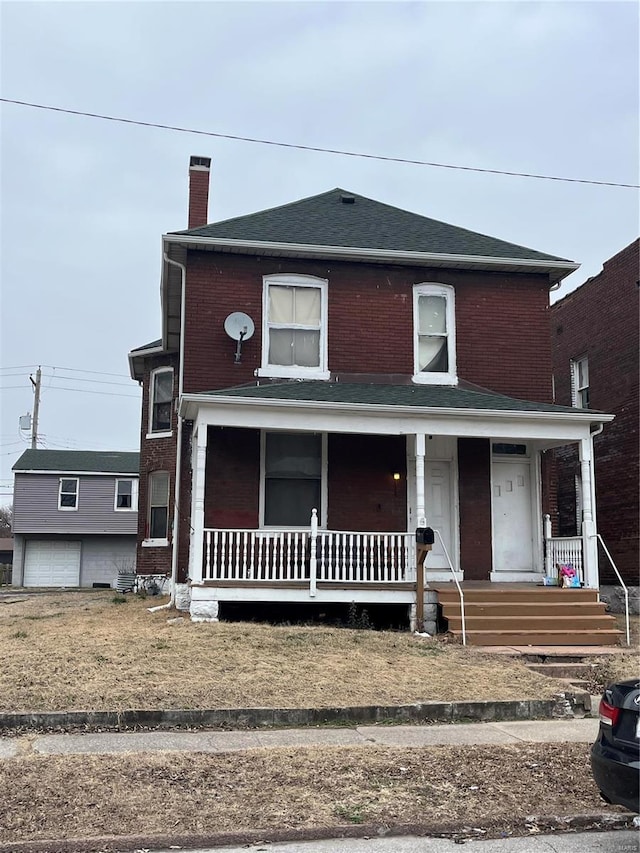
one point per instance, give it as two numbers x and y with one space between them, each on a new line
535 731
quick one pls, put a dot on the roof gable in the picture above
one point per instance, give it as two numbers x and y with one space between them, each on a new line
343 219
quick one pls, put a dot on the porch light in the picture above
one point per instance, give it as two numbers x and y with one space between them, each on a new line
396 476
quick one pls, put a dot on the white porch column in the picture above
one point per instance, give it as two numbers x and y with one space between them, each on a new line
420 507
589 541
199 460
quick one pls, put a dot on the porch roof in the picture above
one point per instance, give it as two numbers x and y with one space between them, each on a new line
391 395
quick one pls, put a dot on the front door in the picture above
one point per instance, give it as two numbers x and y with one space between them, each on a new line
512 519
437 499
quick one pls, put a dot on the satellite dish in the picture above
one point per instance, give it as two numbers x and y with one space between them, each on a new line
239 327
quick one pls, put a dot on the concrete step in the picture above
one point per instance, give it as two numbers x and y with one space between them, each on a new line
562 670
542 638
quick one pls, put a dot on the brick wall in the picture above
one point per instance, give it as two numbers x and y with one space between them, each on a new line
501 322
599 320
156 454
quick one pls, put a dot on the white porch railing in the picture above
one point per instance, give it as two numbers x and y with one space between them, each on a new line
561 550
280 556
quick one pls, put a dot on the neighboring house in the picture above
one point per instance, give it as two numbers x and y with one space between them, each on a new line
595 331
336 373
75 517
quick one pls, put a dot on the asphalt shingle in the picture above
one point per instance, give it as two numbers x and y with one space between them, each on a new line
326 220
104 461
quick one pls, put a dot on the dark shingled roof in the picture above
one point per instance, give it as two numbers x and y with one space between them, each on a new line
78 461
325 220
426 396
151 345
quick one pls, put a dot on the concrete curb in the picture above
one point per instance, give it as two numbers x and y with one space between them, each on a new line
128 843
562 705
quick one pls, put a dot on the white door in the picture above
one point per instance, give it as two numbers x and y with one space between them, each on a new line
512 522
52 563
437 500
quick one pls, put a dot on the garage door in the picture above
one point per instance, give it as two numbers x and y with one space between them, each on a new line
52 564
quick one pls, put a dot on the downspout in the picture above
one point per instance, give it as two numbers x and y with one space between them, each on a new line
176 487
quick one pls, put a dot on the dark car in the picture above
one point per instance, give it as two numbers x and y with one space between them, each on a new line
615 756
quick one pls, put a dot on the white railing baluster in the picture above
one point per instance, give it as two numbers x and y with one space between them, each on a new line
207 565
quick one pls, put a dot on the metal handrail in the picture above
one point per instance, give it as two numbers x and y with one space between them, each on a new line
460 593
622 583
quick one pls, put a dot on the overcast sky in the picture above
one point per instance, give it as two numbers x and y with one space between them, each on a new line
547 87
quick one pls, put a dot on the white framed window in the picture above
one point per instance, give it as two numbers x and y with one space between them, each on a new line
434 338
294 327
160 400
580 383
68 494
293 478
158 511
126 496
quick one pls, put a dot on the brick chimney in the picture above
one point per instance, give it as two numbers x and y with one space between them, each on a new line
198 191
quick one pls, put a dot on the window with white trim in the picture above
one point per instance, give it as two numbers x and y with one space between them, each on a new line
292 478
434 334
126 498
160 399
580 383
68 493
158 519
294 326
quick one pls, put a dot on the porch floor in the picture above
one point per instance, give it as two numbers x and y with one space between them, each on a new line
529 615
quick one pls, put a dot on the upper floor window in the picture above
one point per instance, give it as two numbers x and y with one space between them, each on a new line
580 383
126 495
68 493
158 520
161 394
434 342
294 327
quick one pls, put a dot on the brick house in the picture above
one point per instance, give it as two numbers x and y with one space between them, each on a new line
595 333
336 373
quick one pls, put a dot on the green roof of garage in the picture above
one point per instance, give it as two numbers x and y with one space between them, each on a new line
79 461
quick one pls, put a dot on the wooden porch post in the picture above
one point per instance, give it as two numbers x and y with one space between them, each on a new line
422 522
197 503
589 542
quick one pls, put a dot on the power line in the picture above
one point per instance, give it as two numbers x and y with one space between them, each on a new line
94 381
259 141
82 370
87 391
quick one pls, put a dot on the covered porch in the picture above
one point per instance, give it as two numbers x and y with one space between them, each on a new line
469 464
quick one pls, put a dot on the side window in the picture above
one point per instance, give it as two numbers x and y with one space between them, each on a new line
160 397
434 334
158 520
294 328
292 478
68 493
126 499
580 383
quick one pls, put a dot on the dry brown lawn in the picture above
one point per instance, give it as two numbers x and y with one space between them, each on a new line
189 793
86 651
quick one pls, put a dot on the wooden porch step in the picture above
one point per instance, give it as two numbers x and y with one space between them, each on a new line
531 594
543 638
524 608
521 624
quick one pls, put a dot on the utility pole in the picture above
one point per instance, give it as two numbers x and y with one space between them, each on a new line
36 408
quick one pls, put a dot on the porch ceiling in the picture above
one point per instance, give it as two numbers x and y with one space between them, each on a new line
388 409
